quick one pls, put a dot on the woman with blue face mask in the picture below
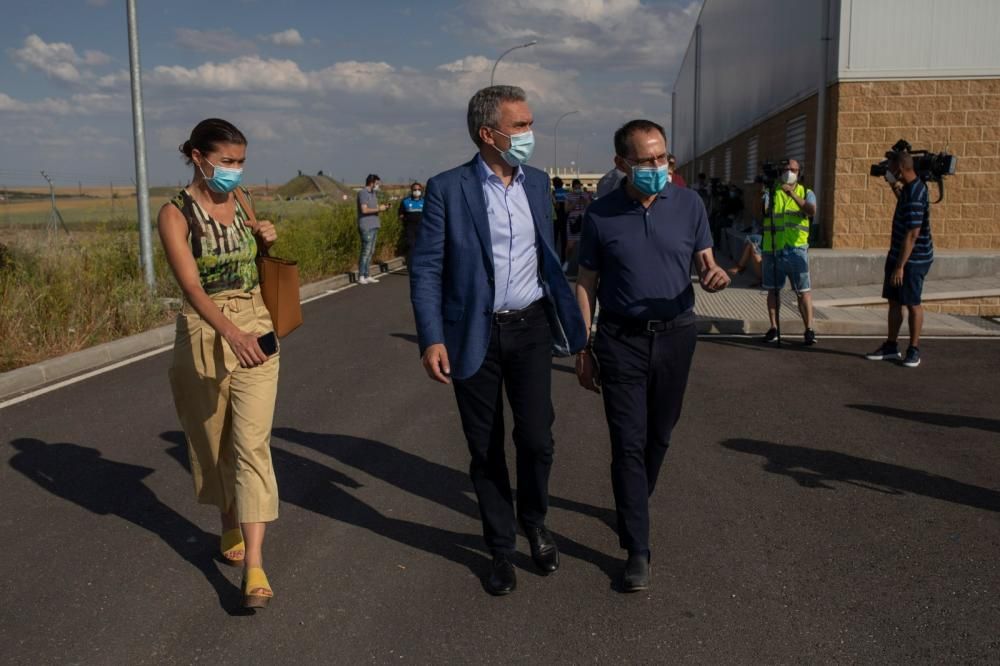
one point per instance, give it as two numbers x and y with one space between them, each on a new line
224 381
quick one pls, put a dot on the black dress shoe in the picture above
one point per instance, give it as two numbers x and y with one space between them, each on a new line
502 578
544 551
636 575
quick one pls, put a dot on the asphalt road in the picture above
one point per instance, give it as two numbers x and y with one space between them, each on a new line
814 507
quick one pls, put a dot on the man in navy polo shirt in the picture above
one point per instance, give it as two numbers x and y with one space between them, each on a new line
636 251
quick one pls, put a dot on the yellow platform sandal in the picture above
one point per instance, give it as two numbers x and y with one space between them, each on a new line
230 545
256 590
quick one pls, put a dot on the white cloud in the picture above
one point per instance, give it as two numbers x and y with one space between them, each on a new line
58 60
468 64
628 33
50 105
260 130
247 73
95 58
114 80
290 37
211 41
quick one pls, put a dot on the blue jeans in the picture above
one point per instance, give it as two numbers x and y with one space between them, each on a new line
367 250
793 264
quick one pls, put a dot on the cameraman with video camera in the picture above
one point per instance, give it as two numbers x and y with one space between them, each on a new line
911 253
786 244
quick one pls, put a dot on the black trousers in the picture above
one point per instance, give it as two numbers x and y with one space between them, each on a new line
519 359
643 378
559 233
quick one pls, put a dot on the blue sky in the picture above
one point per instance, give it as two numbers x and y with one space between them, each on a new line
350 88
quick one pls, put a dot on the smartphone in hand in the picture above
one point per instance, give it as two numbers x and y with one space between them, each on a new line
268 343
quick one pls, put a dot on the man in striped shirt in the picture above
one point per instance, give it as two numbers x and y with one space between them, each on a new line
911 253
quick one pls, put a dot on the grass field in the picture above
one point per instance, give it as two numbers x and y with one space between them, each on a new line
63 292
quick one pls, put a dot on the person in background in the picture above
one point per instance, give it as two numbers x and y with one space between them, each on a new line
411 211
368 225
608 183
224 384
577 200
704 191
911 253
786 249
675 176
559 206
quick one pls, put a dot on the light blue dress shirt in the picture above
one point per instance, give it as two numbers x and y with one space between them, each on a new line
512 232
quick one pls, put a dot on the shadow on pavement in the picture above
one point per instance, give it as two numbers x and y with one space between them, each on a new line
813 468
320 489
787 344
932 418
105 487
438 483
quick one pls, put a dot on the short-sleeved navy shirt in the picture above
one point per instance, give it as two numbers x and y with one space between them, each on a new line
644 255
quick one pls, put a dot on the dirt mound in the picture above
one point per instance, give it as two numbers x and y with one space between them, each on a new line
311 187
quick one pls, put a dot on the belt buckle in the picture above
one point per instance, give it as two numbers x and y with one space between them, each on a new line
651 326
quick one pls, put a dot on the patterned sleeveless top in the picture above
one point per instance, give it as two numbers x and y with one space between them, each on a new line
225 255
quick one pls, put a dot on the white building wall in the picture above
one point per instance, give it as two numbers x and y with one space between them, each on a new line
760 56
907 39
757 56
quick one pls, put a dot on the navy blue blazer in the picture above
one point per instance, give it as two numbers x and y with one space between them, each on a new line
451 270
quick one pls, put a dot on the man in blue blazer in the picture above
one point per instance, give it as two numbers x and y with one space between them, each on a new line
492 306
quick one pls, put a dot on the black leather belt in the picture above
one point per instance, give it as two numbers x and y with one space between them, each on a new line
646 325
508 316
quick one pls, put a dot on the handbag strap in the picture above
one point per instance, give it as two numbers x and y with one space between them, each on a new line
248 209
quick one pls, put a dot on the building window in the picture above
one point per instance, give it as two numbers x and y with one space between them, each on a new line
751 160
711 166
795 141
727 165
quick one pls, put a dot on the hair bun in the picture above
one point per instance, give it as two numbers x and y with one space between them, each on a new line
185 148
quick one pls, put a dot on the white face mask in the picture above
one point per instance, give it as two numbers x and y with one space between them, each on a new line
789 177
376 187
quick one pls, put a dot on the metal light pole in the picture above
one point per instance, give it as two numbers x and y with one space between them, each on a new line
555 143
139 130
513 48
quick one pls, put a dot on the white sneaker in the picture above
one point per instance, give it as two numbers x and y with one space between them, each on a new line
363 280
372 280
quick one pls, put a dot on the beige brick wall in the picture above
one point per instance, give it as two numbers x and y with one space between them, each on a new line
985 306
961 116
863 120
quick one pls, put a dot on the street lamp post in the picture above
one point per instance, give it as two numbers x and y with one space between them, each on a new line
555 143
513 48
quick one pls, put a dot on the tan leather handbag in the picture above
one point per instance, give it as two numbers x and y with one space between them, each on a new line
279 282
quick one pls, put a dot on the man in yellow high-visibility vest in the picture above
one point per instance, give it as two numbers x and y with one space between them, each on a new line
794 205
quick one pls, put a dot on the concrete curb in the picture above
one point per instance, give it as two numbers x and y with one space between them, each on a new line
49 371
927 298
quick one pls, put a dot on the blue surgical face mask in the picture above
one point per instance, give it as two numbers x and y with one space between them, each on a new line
650 180
521 147
224 179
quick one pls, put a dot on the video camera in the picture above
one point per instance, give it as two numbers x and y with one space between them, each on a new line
930 167
770 172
